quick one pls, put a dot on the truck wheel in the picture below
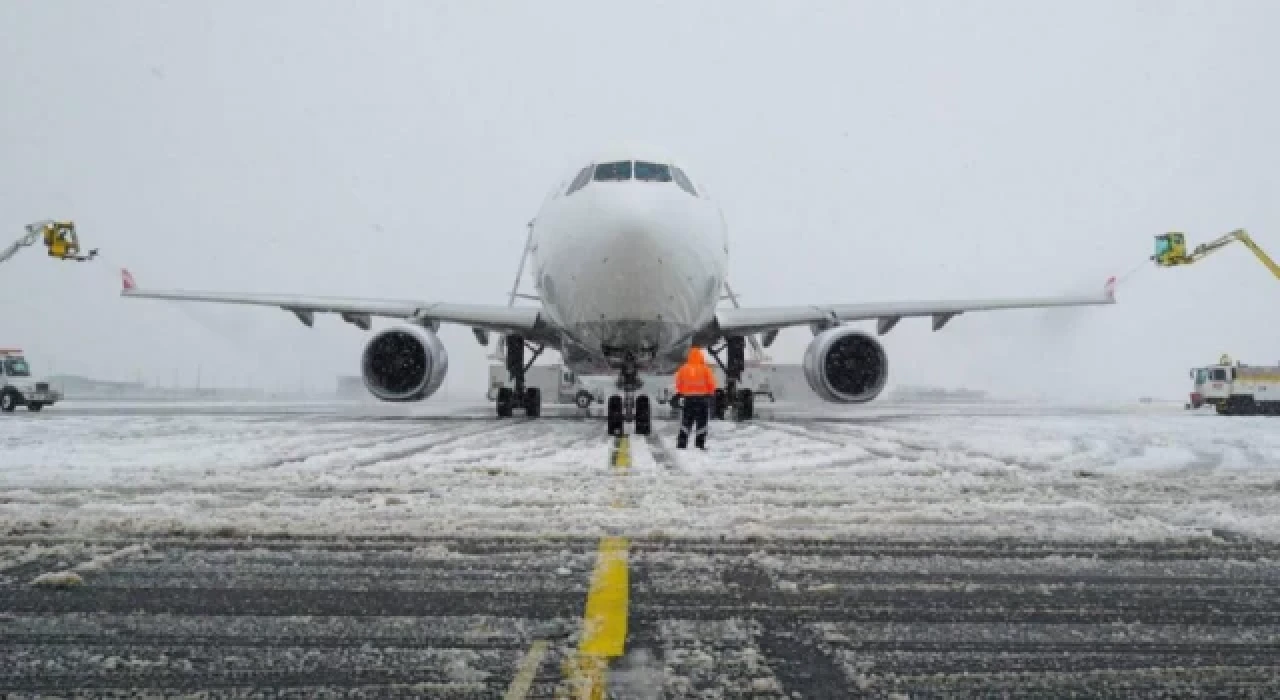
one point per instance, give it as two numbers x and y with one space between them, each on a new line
35 407
8 402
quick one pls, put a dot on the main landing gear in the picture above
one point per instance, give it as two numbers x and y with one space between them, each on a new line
740 403
527 399
628 407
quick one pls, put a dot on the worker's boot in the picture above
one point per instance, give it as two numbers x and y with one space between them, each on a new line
682 440
701 441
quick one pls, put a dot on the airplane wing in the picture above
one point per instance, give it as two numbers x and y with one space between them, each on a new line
766 319
359 312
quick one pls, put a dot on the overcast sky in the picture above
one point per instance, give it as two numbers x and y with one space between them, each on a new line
861 151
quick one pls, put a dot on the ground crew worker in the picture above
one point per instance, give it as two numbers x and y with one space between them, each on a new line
696 386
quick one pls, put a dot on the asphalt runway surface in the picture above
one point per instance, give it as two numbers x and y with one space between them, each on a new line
228 612
460 618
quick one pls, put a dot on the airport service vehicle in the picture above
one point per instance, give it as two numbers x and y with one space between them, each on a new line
555 383
59 238
18 388
1235 389
629 255
1171 249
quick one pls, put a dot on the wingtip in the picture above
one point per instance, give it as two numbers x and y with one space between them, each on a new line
126 280
1110 288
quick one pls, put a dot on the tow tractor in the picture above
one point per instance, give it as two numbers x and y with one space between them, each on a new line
1236 389
18 389
1171 249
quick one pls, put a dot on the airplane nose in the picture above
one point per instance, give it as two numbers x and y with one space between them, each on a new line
632 251
635 223
622 223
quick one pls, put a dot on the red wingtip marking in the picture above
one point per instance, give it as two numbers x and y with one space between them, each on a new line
1111 287
127 278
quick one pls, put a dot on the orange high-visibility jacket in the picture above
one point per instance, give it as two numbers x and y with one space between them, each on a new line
695 378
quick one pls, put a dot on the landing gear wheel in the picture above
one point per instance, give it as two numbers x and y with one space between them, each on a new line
719 405
643 424
615 415
532 402
746 405
8 402
583 399
35 407
506 402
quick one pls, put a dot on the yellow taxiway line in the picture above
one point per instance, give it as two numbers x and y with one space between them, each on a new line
604 624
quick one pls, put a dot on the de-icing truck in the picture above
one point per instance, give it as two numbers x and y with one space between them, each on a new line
1235 389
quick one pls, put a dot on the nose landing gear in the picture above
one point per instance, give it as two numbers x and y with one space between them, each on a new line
628 407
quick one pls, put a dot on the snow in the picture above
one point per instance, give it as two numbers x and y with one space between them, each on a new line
1142 472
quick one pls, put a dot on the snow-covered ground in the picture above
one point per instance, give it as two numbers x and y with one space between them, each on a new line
888 470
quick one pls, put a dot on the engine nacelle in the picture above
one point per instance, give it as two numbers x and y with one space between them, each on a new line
404 363
846 365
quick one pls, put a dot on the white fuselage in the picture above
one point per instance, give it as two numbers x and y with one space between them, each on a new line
628 269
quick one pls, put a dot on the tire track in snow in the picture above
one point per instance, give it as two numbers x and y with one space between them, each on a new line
419 445
529 442
435 442
662 454
336 448
842 459
918 450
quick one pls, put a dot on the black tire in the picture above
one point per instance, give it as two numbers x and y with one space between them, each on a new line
583 399
746 404
533 402
8 401
506 401
719 405
35 407
643 415
615 415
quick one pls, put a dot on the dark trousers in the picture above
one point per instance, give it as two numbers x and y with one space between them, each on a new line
696 409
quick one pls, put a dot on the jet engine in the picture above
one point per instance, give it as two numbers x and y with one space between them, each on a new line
404 363
846 365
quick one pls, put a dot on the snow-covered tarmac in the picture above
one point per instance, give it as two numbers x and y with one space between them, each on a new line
885 470
325 550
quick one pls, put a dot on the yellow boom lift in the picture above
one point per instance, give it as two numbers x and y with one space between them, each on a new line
59 237
1171 250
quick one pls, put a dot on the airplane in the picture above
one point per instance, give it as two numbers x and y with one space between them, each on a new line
629 258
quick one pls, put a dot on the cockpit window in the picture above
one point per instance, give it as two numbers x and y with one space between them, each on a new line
652 172
683 181
580 181
1218 375
614 171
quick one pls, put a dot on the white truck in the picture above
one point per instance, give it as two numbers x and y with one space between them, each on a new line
558 384
1235 389
17 388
